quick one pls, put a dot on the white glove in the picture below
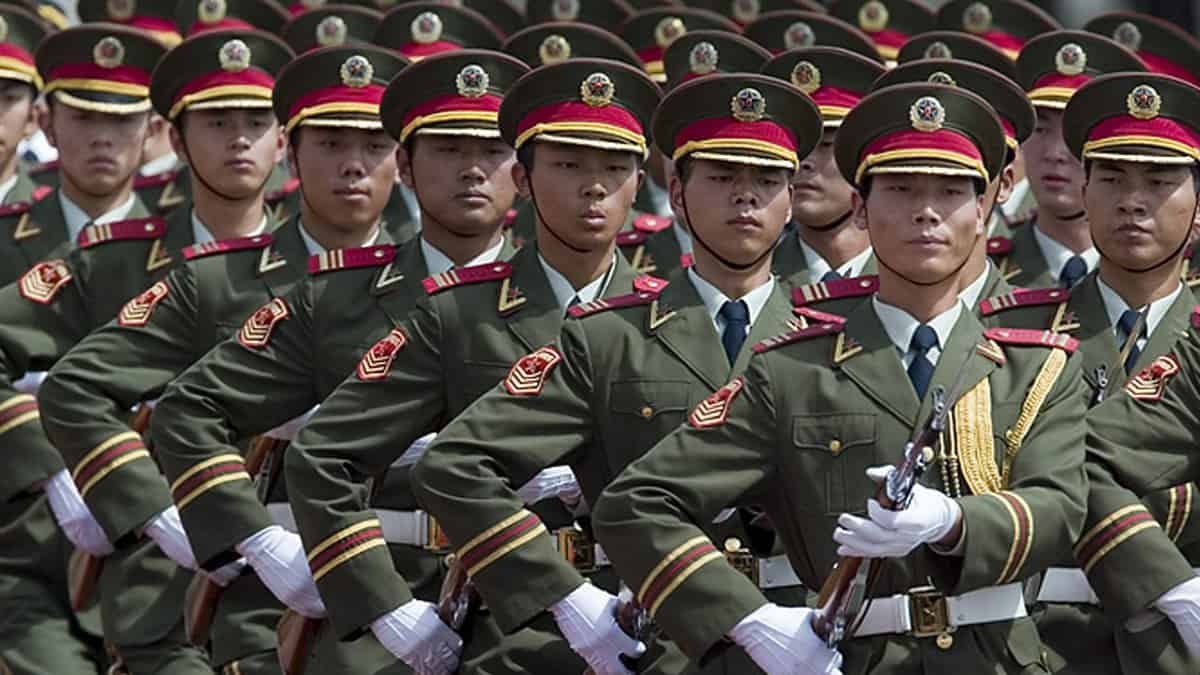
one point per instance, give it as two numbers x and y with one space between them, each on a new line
74 517
288 430
415 451
930 516
277 556
587 618
227 574
555 481
1182 606
415 635
781 641
167 531
29 383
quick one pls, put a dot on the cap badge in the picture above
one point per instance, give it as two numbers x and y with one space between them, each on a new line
1128 35
1070 59
668 30
234 56
211 11
748 105
426 28
554 49
597 90
873 16
806 76
472 81
745 11
703 58
799 35
108 52
938 50
331 32
927 114
564 10
941 77
1143 102
3 29
357 71
121 10
977 18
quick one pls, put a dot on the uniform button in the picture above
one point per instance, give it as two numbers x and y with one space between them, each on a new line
945 641
835 446
733 545
647 412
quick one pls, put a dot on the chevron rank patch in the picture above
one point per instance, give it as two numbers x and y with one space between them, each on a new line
528 376
256 332
137 311
376 363
44 280
1151 381
713 410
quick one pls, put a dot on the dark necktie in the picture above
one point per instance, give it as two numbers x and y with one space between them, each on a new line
831 275
1073 271
1125 325
920 370
737 318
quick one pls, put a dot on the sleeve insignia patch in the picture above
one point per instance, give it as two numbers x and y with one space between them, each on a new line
1150 382
43 281
713 410
528 375
376 363
1035 338
832 290
256 332
137 311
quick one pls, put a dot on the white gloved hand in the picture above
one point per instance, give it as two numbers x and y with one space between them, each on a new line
288 430
227 574
554 481
930 516
415 635
781 641
277 556
74 517
587 618
167 531
1182 606
30 382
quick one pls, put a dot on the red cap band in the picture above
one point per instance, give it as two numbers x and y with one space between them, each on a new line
1160 127
453 103
763 131
568 112
836 97
370 95
417 50
228 23
249 77
92 71
10 50
1159 64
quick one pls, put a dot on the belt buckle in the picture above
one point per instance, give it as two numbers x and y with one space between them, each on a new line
741 559
435 539
929 613
577 548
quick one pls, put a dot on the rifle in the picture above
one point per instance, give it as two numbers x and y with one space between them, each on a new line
83 568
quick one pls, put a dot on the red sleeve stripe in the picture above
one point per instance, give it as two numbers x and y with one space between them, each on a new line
207 475
107 457
344 545
1110 533
674 569
16 411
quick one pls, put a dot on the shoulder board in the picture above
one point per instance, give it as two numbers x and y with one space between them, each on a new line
1022 297
288 188
649 284
630 238
816 315
466 275
15 209
510 216
144 182
650 223
687 260
999 245
815 330
1036 338
226 246
122 230
832 290
1196 316
603 304
351 258
45 167
41 192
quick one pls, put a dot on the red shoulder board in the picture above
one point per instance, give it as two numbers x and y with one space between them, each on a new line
630 238
853 287
815 330
817 315
510 216
649 284
227 246
1196 316
288 188
687 260
256 331
467 275
528 375
1037 338
376 363
45 167
15 208
1022 297
650 223
41 192
351 258
713 410
603 304
44 280
122 230
999 245
1151 381
158 179
137 311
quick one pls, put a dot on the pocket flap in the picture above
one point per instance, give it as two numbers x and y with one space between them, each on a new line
647 398
833 432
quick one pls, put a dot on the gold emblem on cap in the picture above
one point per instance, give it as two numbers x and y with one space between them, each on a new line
744 11
120 10
108 52
873 16
472 81
941 77
798 35
554 49
211 11
357 71
564 10
597 90
806 76
668 30
331 32
748 105
234 56
938 50
426 28
1143 102
1070 59
977 18
3 29
703 58
927 114
1128 35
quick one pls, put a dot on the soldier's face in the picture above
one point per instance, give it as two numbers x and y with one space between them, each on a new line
821 195
232 150
99 152
17 118
464 184
736 209
346 175
1055 176
1140 214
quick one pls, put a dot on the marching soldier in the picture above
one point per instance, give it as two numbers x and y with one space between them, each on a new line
580 141
820 406
781 31
631 365
19 86
889 24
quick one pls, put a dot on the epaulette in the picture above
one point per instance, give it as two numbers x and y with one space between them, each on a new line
122 230
286 189
650 223
41 192
596 306
156 180
999 245
45 167
816 315
351 258
510 216
466 275
1036 338
15 209
1031 297
631 238
1196 316
226 246
835 289
649 284
814 330
687 260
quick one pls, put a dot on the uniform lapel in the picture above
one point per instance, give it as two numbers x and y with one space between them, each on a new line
398 283
1097 341
285 261
867 356
1172 328
774 319
789 262
871 267
958 354
1026 260
537 319
689 332
39 231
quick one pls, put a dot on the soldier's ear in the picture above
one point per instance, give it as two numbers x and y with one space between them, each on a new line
45 120
858 205
1008 179
520 176
177 144
404 164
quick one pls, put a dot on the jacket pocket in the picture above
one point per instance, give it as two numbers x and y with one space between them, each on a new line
833 451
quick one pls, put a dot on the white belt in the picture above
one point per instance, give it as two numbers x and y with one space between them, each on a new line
411 528
1068 585
776 572
911 613
30 383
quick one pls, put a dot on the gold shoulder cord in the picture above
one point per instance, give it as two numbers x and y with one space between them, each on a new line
976 444
1038 392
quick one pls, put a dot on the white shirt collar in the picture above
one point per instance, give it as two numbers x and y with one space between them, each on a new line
818 266
1115 306
1012 207
900 326
682 236
77 218
714 299
564 291
1057 255
7 186
970 295
202 235
159 165
314 247
437 262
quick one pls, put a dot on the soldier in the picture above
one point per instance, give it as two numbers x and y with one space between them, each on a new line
1006 24
420 29
889 24
19 86
580 142
624 370
1164 47
596 12
836 400
791 29
651 31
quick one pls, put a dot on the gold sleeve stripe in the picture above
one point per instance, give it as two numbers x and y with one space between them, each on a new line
353 542
111 467
669 578
100 450
342 534
507 548
353 552
1111 532
492 531
662 564
682 576
236 475
503 541
1023 539
18 410
1111 518
202 466
1117 541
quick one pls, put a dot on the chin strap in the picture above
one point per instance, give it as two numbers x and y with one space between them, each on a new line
1170 258
546 223
697 239
208 186
837 222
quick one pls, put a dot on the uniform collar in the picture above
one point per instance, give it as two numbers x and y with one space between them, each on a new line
437 262
564 291
970 294
314 247
159 165
202 235
1115 306
1057 255
714 299
1012 207
77 218
900 325
819 267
